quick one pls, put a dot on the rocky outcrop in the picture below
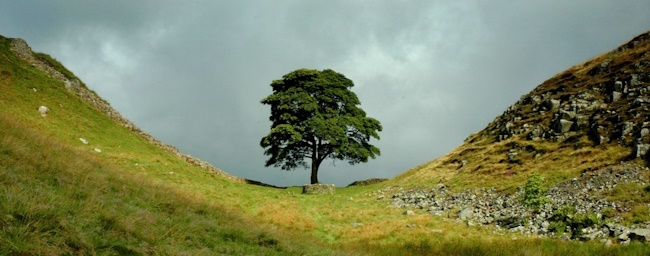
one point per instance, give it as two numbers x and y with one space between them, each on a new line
606 99
21 49
505 212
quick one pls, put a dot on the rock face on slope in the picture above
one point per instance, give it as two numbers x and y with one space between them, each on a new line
23 51
600 106
606 99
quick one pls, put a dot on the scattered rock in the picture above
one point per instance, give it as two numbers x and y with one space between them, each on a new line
84 141
98 150
408 213
487 206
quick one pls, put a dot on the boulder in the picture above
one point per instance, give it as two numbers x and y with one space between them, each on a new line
640 234
642 149
634 80
568 115
618 86
563 126
466 213
552 104
591 236
318 189
43 110
644 132
627 128
616 96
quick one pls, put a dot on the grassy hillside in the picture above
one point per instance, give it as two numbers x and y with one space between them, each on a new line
525 138
129 197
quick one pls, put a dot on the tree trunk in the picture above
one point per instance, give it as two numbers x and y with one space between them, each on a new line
314 171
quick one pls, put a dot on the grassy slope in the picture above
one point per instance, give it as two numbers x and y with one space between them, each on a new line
60 196
487 164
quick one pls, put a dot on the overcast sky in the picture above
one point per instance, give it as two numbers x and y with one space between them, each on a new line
192 73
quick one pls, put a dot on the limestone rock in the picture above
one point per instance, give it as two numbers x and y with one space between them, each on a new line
318 189
642 149
466 213
618 86
552 104
640 234
43 110
563 126
644 132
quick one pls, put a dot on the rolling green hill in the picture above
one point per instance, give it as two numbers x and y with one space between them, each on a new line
80 179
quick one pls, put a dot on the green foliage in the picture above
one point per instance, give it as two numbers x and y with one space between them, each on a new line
567 216
638 214
315 116
557 227
534 192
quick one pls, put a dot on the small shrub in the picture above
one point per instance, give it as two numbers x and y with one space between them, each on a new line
534 192
639 214
647 189
564 213
557 226
609 213
566 216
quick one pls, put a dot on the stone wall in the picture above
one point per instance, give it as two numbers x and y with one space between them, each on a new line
22 50
318 189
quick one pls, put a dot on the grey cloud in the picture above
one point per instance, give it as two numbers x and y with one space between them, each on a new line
193 73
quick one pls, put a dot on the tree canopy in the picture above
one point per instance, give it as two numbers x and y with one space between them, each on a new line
316 116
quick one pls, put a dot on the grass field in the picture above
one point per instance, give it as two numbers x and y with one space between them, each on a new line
60 196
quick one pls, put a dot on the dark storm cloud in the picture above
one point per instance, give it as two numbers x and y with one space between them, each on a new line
192 73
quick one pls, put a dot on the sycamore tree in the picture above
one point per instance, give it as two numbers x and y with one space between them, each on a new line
315 116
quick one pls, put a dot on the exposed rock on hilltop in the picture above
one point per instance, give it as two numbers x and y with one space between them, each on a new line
586 130
606 99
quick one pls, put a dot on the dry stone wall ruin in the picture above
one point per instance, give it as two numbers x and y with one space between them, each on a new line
21 49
